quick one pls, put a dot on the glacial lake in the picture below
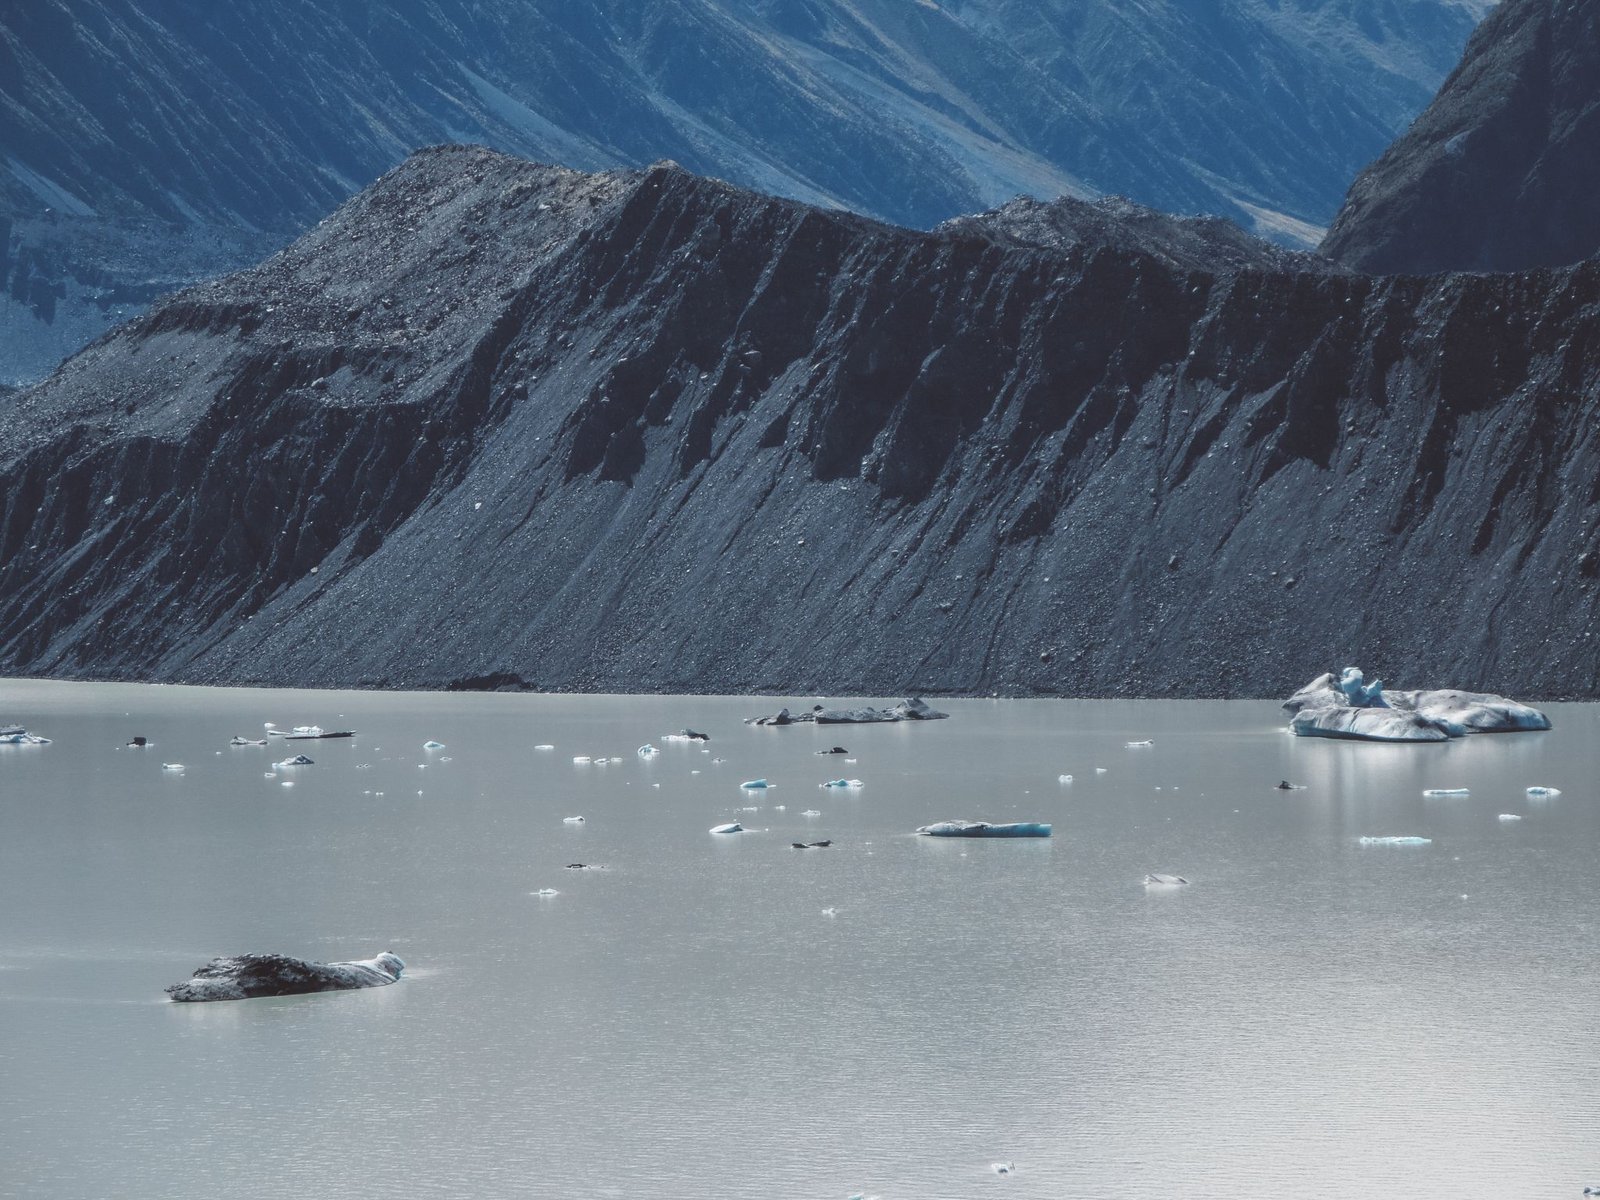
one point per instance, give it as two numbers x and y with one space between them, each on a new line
726 1016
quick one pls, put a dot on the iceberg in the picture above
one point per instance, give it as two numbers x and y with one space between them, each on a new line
1156 879
432 745
16 735
1350 707
913 709
986 829
730 827
1447 791
1395 841
842 783
754 785
237 740
1510 816
248 975
299 760
175 767
1544 791
572 820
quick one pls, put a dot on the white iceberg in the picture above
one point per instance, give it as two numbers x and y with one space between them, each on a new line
842 783
572 820
1544 791
1395 841
172 766
1447 792
16 735
1510 816
430 745
648 751
1349 707
730 827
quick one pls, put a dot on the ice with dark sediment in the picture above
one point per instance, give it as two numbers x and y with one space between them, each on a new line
913 709
1350 707
245 976
987 829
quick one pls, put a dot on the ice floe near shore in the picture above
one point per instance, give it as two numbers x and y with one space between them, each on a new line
1350 707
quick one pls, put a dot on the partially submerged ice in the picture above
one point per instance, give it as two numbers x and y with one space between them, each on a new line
16 735
248 975
1350 707
986 829
1395 841
913 709
730 827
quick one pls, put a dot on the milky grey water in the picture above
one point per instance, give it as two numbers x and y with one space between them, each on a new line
727 1016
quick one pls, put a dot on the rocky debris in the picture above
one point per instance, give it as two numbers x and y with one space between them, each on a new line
539 448
248 975
1501 171
913 709
1350 707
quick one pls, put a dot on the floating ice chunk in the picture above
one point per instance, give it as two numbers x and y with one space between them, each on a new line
287 783
547 892
730 827
1004 1168
572 820
138 743
1371 725
172 766
1395 841
780 808
1157 879
648 751
811 812
1544 791
582 760
1140 745
16 735
299 760
249 975
1434 714
431 745
842 783
269 774
1283 785
244 741
1063 778
1510 816
1099 770
834 912
755 784
1447 791
544 746
750 808
986 829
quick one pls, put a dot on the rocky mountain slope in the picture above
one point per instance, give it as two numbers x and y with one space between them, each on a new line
147 143
1501 172
496 423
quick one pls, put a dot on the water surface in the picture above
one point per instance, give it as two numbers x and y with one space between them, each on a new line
727 1016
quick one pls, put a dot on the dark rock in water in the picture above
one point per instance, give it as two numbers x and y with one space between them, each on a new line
986 448
907 710
695 737
1502 170
835 750
250 975
139 742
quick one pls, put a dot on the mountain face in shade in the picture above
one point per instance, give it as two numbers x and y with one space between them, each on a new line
1501 172
494 424
147 143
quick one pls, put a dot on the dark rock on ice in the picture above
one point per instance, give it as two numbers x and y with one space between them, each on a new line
249 975
907 710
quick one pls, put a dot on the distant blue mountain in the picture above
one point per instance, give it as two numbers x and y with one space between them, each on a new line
149 142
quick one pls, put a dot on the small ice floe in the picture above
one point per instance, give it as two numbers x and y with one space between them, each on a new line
751 808
237 740
780 808
1447 791
1510 817
432 745
1005 1168
648 751
544 746
1544 791
299 760
832 912
1395 841
987 829
1283 785
686 735
1157 879
547 892
1099 770
572 820
287 783
269 774
811 812
842 783
1140 745
582 760
822 845
755 784
172 766
16 735
1063 778
730 827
